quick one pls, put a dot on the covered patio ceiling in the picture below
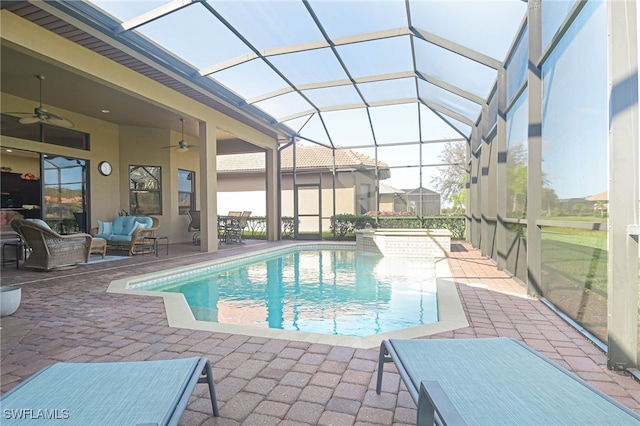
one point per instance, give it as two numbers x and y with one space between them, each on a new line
337 73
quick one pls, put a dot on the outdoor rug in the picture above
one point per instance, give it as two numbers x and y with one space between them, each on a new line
97 258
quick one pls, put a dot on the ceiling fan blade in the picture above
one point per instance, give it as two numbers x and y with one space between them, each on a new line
40 114
30 120
59 121
18 113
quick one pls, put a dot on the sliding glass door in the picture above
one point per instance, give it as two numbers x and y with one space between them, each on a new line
65 193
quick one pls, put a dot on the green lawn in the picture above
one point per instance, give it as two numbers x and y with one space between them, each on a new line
581 237
577 218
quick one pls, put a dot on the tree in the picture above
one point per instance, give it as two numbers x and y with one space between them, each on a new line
452 177
517 177
549 199
579 209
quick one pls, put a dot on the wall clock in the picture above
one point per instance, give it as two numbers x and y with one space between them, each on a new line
105 168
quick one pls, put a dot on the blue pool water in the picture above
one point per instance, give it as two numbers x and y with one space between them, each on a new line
338 292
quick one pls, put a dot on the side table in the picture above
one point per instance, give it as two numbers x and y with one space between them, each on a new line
20 248
155 243
99 246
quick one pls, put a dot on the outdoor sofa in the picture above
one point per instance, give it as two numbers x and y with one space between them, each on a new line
130 233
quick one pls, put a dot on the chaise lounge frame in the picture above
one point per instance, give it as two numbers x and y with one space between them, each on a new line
494 381
109 393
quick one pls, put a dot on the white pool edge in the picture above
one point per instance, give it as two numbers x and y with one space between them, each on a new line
450 311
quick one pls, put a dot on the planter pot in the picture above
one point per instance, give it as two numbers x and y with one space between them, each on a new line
9 300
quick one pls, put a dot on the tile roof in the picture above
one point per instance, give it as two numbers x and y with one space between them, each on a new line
603 196
388 189
307 157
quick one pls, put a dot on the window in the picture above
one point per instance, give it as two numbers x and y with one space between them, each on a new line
10 126
365 198
186 191
145 190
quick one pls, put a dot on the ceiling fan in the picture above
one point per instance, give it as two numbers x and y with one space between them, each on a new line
41 115
182 145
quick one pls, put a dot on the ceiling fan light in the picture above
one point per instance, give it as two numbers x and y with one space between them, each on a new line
182 149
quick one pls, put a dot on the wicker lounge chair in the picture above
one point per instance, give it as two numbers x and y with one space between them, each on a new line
50 250
108 393
495 381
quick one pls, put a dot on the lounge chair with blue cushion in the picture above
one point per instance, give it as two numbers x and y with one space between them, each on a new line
495 381
109 393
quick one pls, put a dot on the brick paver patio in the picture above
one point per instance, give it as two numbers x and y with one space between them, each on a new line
68 316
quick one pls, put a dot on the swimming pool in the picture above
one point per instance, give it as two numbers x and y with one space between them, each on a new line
329 291
450 312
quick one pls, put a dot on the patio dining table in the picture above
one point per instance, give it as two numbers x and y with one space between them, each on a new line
227 226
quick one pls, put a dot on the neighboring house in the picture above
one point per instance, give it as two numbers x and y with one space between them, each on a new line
392 199
241 183
600 203
596 205
423 201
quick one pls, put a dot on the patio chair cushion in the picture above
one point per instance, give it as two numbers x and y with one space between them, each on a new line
7 234
109 393
497 381
137 225
40 222
122 228
7 216
129 232
105 228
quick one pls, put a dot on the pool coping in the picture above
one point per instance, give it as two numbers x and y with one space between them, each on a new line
450 311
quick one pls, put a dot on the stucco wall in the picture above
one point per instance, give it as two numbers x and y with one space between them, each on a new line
245 191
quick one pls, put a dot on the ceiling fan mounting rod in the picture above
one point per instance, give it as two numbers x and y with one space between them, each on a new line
40 77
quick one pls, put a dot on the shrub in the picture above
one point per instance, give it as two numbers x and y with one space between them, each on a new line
343 224
257 227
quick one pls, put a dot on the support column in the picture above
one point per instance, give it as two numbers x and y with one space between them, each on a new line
273 194
534 166
486 236
622 286
501 171
474 193
208 188
469 187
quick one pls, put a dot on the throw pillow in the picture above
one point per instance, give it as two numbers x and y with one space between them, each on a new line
138 225
105 227
40 222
